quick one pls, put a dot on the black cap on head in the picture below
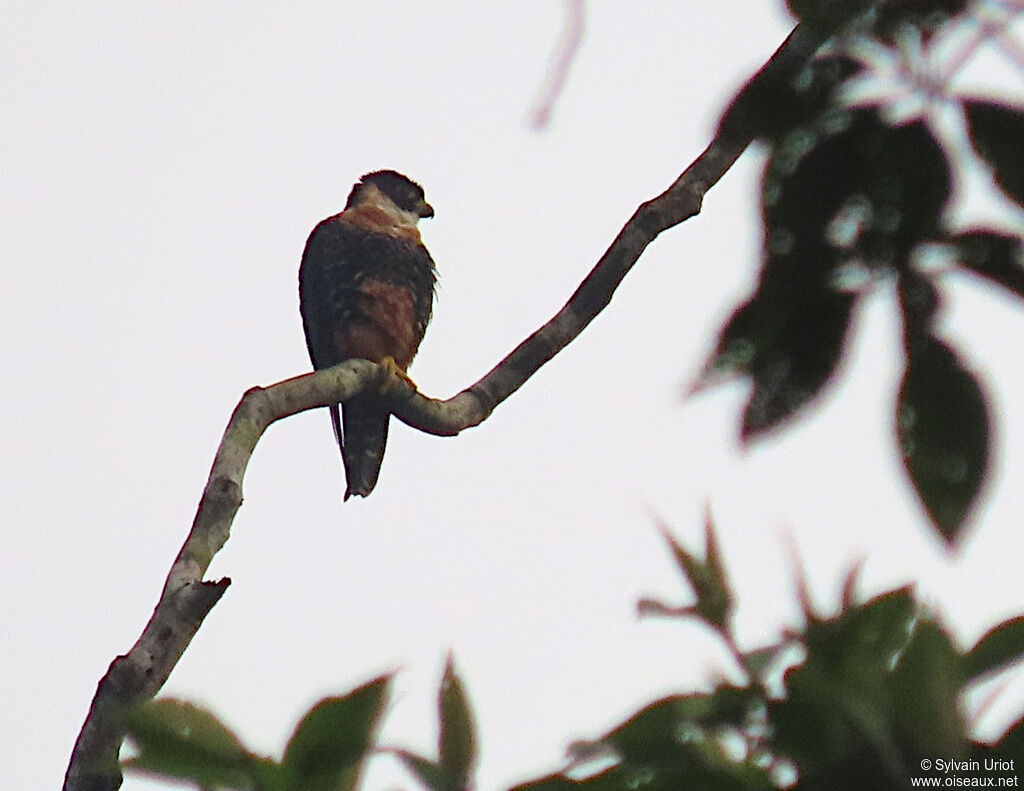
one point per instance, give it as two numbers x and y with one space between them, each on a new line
403 191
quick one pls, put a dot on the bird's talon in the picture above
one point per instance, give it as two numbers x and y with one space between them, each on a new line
393 368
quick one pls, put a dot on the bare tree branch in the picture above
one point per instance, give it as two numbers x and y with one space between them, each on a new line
187 598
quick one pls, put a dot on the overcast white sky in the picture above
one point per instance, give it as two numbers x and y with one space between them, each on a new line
162 166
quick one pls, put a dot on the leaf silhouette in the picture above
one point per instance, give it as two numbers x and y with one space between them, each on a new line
997 132
996 256
942 426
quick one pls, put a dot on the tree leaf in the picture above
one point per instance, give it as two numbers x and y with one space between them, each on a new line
837 705
802 354
430 773
925 688
327 748
653 734
662 747
998 648
180 740
927 16
942 426
996 256
559 782
853 188
845 192
457 736
770 109
760 660
707 576
1011 746
997 132
919 302
687 774
788 339
828 15
657 727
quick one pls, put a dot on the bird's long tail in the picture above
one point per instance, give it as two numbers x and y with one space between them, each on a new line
362 432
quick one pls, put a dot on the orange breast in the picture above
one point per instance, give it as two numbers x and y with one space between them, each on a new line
389 329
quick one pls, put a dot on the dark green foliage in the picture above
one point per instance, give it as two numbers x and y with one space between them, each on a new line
829 15
835 704
850 201
328 746
869 692
888 16
768 110
788 341
997 132
457 731
1009 748
925 15
874 689
847 192
707 578
999 257
851 187
456 739
999 647
943 428
178 740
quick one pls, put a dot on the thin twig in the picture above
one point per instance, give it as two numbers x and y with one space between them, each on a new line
565 54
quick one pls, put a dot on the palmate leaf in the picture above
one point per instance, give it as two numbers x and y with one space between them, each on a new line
844 189
997 132
853 187
942 425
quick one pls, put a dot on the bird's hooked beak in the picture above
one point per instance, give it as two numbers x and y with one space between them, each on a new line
425 210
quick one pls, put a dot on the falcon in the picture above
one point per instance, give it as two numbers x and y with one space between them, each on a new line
366 290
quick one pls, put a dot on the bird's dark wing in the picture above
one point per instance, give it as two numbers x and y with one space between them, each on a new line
329 280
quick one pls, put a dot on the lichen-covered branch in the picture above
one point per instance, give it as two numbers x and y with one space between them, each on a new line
187 598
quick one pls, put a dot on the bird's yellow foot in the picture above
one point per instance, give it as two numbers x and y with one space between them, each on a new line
389 365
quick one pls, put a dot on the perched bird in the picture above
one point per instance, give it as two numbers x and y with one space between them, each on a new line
366 290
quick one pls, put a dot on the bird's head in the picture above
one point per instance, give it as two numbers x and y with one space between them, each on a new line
392 192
